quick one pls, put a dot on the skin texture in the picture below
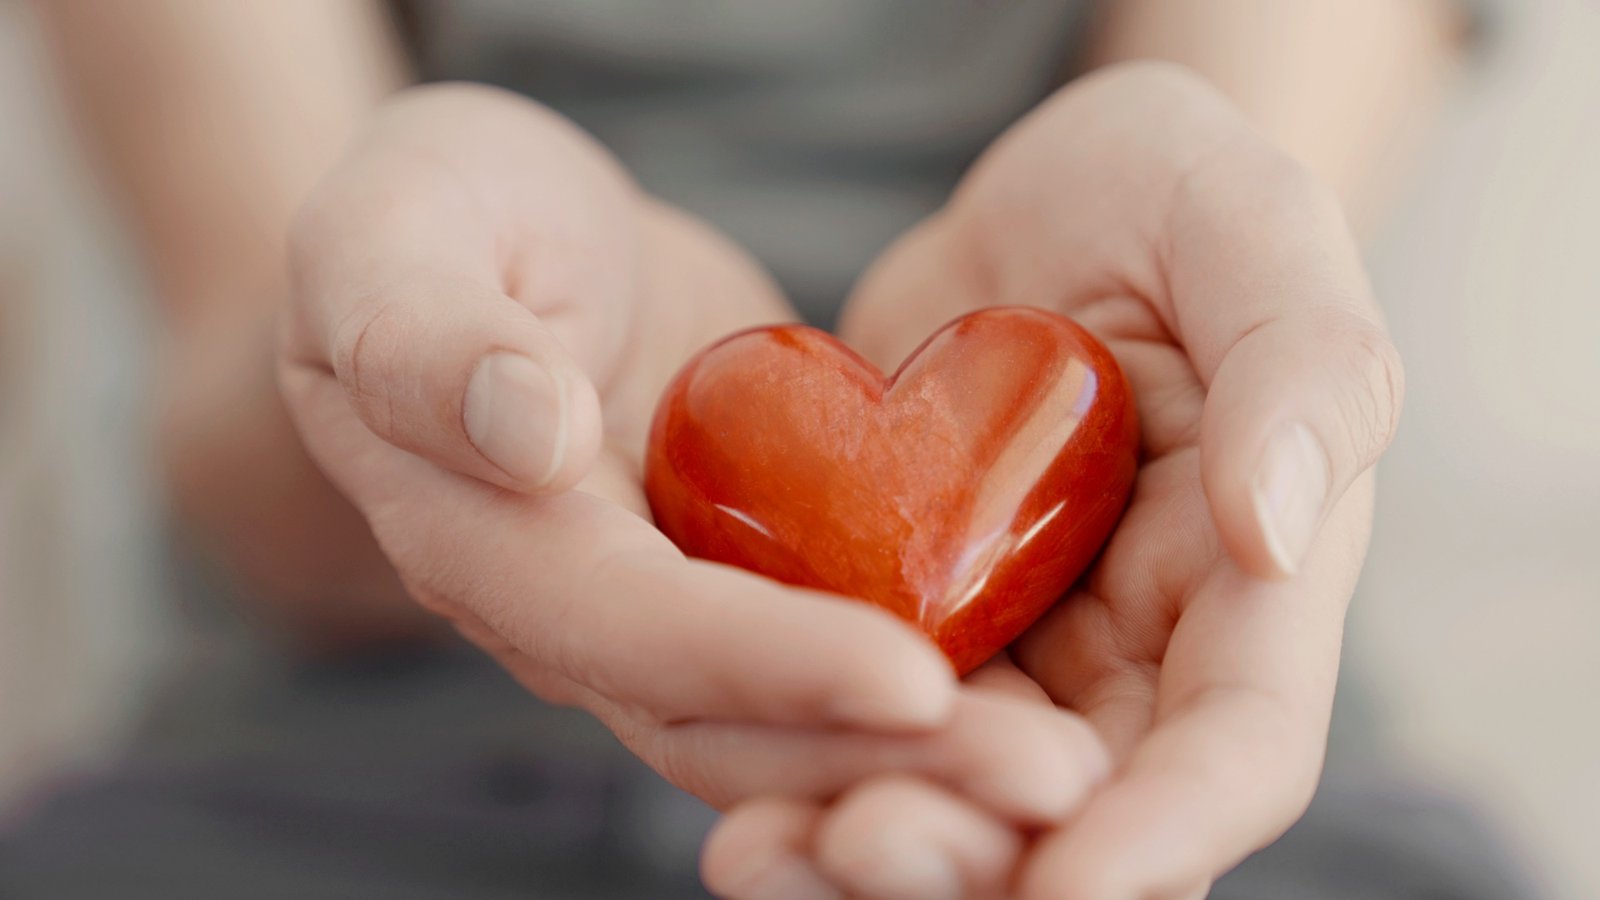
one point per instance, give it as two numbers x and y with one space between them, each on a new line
1223 278
471 224
965 493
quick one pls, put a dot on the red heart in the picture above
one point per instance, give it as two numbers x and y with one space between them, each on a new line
965 493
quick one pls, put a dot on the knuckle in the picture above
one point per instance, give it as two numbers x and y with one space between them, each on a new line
586 634
565 626
1296 799
1377 393
1290 799
1281 740
427 578
364 346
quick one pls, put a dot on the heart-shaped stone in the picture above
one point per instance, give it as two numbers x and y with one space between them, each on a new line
965 493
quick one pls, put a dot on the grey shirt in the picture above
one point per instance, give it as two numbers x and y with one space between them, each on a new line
812 132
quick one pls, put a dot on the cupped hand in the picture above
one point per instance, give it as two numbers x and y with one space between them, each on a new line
1203 646
485 311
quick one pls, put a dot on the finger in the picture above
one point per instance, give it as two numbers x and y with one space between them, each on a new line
1240 728
1304 385
897 838
459 373
594 592
1001 676
466 294
1026 762
709 642
761 851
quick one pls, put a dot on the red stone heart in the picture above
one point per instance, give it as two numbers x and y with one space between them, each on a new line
965 493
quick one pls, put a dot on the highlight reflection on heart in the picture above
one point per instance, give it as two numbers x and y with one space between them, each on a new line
965 493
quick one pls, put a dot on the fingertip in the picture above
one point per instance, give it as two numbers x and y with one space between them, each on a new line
751 649
897 837
897 680
757 852
869 846
1090 752
1054 762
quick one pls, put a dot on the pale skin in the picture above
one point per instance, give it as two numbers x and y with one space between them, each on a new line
1172 713
1233 298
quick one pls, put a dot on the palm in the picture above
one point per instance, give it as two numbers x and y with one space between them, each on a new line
1101 652
1191 672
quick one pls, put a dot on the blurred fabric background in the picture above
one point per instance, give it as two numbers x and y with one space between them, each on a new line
1481 602
80 625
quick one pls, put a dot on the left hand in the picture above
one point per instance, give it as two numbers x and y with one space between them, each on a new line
469 231
1204 645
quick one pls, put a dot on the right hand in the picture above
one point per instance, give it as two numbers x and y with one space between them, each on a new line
485 311
1204 642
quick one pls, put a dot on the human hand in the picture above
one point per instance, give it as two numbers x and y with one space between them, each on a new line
1204 645
485 313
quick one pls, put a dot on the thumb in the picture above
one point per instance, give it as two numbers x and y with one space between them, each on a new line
470 379
459 273
1298 408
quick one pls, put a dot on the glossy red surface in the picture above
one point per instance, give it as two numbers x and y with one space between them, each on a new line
965 493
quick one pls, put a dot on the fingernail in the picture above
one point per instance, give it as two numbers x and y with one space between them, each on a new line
786 878
1289 491
515 413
